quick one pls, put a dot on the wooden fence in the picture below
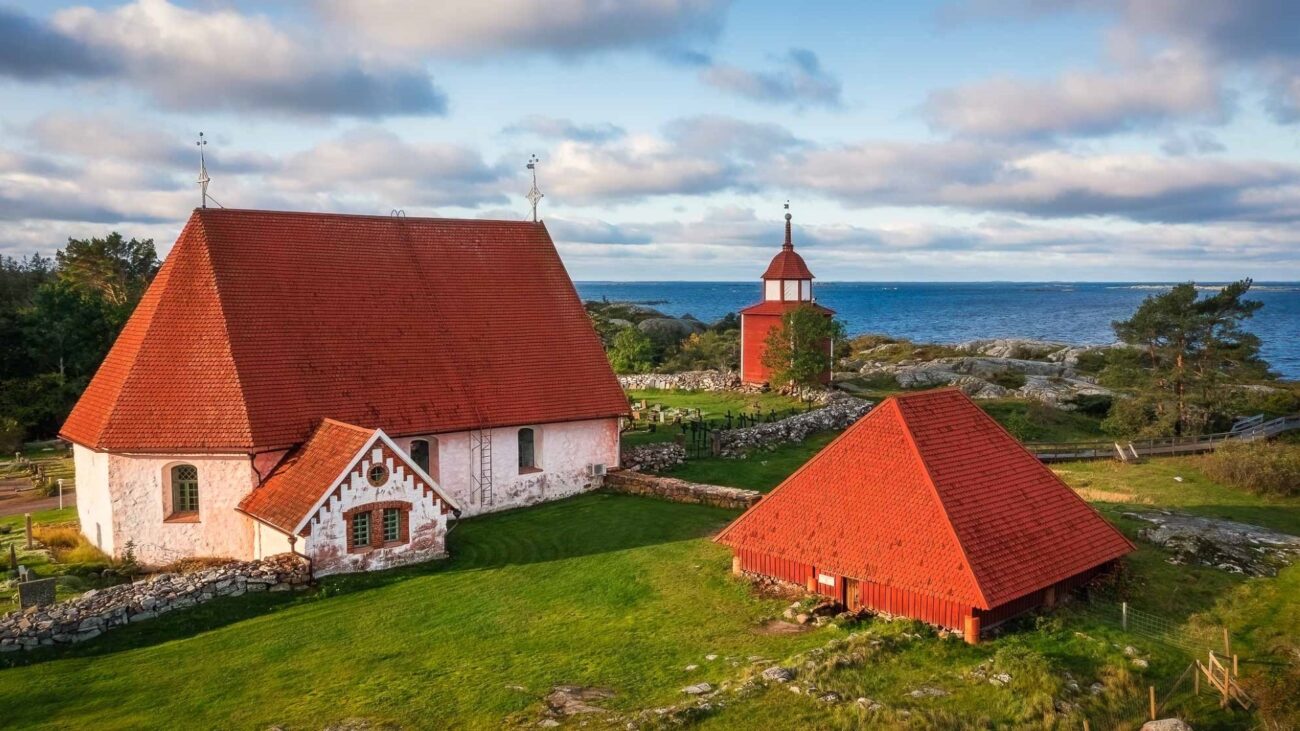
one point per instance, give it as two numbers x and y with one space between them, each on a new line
1255 429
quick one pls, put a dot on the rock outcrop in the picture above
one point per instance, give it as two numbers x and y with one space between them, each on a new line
1240 548
982 377
95 612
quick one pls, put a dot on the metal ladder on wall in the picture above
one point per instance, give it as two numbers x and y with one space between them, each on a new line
481 442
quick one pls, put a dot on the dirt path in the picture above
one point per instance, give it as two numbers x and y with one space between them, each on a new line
15 501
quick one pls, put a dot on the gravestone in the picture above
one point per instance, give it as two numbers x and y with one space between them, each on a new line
36 593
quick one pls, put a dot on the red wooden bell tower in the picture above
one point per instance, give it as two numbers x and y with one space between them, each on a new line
787 284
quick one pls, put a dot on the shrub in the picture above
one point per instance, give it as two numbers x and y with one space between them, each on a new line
1009 380
1261 467
1091 361
707 350
11 435
631 352
56 537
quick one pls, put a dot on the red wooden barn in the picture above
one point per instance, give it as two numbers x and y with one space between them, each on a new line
927 508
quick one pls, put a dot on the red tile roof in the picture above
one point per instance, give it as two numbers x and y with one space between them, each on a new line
787 265
929 493
290 494
779 307
295 486
260 323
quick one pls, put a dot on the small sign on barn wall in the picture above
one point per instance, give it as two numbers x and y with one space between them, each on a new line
826 579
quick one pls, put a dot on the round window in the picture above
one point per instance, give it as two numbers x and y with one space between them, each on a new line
378 475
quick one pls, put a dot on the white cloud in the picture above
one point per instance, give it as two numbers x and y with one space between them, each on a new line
194 60
799 80
1169 87
561 27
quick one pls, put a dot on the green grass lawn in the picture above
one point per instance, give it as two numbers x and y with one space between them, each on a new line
605 590
761 470
624 593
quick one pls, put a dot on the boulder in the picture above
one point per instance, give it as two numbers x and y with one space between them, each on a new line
1166 724
670 328
778 674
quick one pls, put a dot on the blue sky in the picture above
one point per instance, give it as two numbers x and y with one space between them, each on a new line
964 140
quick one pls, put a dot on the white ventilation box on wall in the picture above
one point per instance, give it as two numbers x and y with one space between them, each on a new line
596 470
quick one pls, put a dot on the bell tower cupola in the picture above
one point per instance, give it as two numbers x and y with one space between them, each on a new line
787 278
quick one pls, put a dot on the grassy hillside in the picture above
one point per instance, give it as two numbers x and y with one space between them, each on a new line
603 590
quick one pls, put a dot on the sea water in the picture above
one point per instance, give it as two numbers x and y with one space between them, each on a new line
952 312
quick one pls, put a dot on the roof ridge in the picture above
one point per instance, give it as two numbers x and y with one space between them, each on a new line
938 496
344 424
378 216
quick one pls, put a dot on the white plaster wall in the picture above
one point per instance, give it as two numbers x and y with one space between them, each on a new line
327 544
268 541
139 485
94 501
563 451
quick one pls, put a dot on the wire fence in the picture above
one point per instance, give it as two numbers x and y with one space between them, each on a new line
1174 695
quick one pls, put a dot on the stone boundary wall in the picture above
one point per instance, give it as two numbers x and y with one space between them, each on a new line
841 413
684 381
95 612
630 482
657 457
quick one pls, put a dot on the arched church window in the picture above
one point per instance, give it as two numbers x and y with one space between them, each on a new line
185 489
527 450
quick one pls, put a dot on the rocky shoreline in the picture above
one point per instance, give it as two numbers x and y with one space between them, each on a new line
1040 370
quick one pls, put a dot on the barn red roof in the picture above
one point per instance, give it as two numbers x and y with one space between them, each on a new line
929 493
260 323
779 307
293 489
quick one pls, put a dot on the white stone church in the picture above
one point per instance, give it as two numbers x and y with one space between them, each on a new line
340 387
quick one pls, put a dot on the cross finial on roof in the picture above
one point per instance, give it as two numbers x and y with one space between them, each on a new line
789 244
203 171
534 195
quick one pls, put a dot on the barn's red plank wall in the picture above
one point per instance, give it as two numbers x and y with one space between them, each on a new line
882 598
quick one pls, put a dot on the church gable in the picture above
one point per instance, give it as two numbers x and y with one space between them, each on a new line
379 473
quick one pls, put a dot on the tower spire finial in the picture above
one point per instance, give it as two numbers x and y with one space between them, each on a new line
203 172
534 195
789 243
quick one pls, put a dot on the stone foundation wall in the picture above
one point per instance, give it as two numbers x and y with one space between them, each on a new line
629 482
95 612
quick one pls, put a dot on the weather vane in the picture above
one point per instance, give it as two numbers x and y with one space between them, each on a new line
534 195
203 170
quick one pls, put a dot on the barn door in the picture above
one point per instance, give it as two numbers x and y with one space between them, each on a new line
852 593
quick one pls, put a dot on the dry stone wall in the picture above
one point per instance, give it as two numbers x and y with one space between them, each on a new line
95 612
659 457
629 482
839 414
684 381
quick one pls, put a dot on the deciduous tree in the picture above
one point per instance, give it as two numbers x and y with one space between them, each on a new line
798 350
